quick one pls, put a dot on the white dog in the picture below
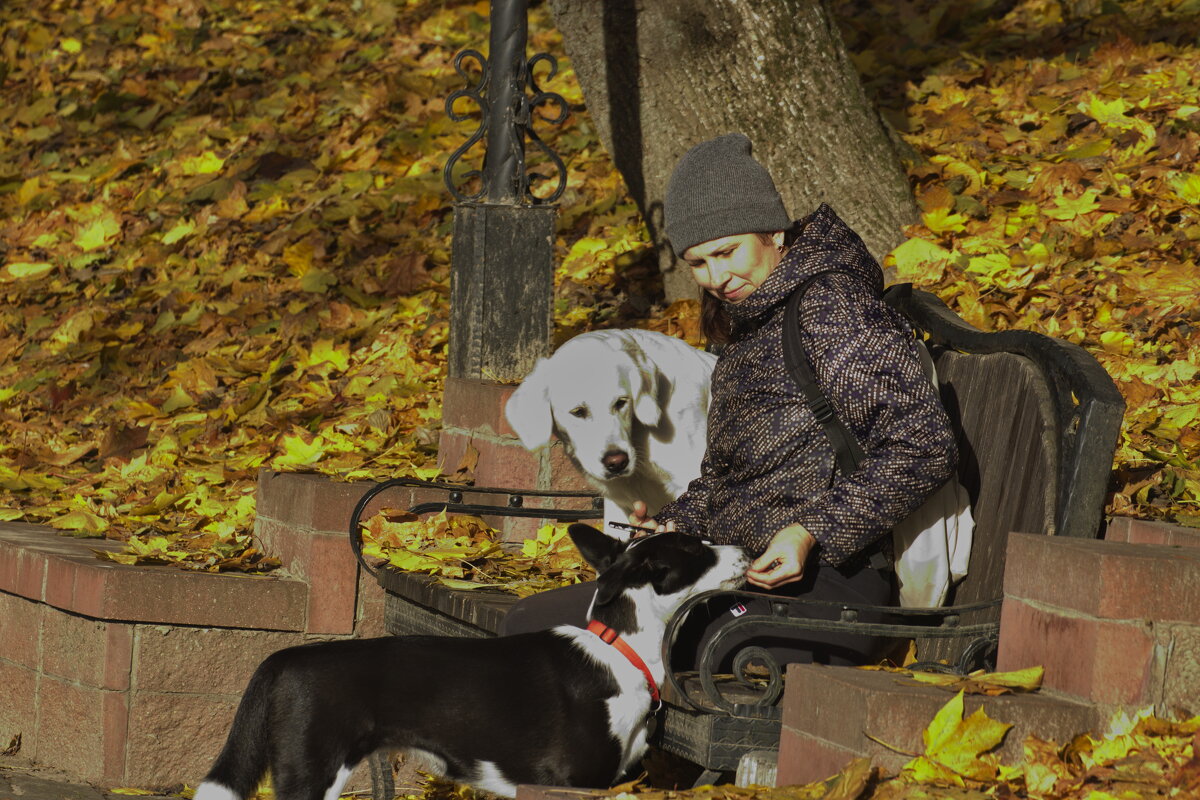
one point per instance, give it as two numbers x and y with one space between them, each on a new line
631 408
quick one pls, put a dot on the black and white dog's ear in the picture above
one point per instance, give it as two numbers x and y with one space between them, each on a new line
528 409
597 548
609 585
668 580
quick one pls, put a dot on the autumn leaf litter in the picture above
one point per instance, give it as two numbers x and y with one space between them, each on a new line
224 246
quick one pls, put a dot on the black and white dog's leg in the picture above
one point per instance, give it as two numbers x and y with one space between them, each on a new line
293 779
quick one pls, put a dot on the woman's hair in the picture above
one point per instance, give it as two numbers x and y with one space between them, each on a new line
716 326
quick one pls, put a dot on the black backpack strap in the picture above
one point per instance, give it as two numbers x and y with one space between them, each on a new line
896 294
846 448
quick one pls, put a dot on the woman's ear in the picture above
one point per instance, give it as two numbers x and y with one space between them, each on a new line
777 238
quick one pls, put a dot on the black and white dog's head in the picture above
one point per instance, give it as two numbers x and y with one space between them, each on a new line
647 579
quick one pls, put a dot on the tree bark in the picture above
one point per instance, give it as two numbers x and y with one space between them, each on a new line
662 75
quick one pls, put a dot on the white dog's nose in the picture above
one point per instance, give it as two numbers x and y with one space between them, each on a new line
615 462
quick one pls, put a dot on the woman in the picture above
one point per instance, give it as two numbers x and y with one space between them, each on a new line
768 480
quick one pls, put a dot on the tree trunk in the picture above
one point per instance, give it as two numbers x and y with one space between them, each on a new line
662 75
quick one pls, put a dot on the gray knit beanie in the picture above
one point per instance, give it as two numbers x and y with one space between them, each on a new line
718 189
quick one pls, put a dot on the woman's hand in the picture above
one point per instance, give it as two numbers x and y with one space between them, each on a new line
784 559
643 519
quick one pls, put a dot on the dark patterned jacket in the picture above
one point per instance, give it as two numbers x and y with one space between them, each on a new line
768 463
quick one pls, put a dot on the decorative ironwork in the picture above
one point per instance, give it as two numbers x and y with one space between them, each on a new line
525 119
455 505
507 113
815 615
475 92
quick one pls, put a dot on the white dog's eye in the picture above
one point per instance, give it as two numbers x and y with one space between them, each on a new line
579 412
620 403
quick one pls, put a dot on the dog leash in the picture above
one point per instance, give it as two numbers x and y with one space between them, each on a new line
610 636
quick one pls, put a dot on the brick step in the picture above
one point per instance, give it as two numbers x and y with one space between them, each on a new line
1144 531
832 715
38 564
1113 622
127 674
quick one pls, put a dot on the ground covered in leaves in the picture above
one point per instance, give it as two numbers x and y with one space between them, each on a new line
1057 149
224 238
224 246
1138 758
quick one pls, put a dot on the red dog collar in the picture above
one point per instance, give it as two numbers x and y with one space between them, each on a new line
609 636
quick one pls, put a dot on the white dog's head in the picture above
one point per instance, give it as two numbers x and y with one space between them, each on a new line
593 393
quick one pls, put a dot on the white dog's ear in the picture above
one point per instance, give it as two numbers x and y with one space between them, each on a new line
645 393
528 409
646 409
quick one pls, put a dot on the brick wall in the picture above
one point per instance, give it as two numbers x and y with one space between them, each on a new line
832 715
1144 531
128 675
473 416
1113 621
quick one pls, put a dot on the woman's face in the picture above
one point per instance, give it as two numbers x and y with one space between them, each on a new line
732 267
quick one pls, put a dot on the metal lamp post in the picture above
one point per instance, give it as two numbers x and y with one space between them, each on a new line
502 265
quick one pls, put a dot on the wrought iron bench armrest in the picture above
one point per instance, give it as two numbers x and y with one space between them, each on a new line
849 615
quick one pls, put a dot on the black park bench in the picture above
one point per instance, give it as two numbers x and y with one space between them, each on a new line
1037 421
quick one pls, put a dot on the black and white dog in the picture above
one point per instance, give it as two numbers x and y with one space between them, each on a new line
566 707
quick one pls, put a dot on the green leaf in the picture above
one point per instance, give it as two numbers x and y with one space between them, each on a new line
181 230
1088 150
206 163
81 522
1186 187
25 269
98 233
317 280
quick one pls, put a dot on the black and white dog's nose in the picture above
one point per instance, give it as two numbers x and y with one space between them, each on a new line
615 462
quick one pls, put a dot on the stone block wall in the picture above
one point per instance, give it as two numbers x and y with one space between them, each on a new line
832 715
1144 531
125 675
